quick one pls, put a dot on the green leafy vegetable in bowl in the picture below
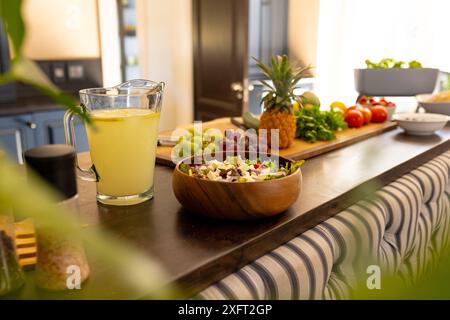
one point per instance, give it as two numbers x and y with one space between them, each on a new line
314 124
389 63
236 169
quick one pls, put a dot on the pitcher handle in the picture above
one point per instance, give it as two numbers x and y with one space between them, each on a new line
87 174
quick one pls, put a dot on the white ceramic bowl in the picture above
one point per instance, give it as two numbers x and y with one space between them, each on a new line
421 124
433 107
391 112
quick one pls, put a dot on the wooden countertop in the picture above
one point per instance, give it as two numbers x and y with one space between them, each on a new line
196 252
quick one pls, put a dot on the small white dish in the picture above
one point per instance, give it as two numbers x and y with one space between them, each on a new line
433 107
391 112
421 124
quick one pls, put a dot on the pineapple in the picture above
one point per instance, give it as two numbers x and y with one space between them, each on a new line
278 102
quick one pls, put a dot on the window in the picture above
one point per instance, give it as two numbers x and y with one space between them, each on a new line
351 31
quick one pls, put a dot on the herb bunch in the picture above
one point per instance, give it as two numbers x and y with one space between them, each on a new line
314 124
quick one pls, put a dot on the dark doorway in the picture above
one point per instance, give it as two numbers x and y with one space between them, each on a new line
220 57
227 34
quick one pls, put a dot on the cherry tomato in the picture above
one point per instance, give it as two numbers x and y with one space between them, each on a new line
379 114
367 115
354 118
365 101
362 100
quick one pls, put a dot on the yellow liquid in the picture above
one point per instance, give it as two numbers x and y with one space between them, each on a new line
123 145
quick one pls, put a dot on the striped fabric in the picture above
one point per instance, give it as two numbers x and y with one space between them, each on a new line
403 228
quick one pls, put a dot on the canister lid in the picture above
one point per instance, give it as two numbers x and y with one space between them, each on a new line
55 163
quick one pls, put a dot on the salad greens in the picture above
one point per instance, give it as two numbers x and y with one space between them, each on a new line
314 124
389 63
236 169
291 167
446 84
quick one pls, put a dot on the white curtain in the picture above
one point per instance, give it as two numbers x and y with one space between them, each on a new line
351 31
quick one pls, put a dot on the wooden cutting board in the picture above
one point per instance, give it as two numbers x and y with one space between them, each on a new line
300 149
26 242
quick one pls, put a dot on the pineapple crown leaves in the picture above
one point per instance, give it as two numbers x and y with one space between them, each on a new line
284 77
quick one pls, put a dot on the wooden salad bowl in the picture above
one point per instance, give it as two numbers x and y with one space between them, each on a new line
237 200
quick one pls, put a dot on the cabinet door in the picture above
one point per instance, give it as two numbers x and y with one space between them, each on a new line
50 129
17 135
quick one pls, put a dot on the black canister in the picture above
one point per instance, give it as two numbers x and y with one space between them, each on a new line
55 163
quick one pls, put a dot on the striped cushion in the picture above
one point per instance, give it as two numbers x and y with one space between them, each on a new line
403 228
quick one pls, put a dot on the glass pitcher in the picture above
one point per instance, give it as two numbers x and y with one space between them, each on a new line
122 139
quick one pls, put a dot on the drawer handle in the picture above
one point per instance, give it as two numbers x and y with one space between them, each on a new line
30 124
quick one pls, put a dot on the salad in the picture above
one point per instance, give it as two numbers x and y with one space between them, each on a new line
236 169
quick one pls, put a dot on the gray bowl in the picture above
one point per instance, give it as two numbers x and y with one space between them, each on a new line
395 82
433 107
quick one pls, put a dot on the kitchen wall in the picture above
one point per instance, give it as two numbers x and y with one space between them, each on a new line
165 54
303 28
109 42
165 40
74 29
70 26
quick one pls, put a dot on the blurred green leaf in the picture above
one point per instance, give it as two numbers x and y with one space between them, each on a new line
10 12
27 71
432 285
29 197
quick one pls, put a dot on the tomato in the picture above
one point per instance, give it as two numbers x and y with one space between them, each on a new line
367 115
363 100
358 108
354 118
379 114
383 103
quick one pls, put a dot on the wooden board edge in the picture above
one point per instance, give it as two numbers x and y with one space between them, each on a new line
315 151
338 144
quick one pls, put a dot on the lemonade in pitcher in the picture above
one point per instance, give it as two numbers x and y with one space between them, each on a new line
122 136
129 137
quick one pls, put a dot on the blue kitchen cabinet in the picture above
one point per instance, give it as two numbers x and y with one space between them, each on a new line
50 129
21 132
17 134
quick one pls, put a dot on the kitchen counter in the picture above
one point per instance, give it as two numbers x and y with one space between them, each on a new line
196 252
27 105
